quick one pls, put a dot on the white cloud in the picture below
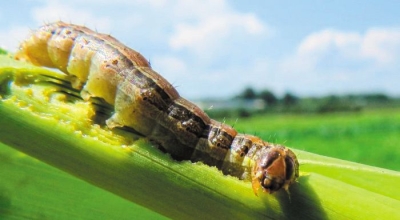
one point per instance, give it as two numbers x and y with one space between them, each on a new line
343 61
213 30
208 25
93 3
56 10
382 45
322 45
323 41
10 39
173 66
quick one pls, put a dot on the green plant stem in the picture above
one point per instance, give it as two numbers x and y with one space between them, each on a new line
39 122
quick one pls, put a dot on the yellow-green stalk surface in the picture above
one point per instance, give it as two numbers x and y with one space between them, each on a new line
58 128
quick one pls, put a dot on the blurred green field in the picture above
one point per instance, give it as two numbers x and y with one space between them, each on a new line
370 137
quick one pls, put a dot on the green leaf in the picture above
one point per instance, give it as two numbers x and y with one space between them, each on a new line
43 119
34 190
2 51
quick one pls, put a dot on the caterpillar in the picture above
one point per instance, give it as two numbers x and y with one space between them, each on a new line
100 66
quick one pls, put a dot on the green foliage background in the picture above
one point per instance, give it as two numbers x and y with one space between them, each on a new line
370 137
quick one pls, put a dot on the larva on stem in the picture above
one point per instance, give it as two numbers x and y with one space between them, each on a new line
102 67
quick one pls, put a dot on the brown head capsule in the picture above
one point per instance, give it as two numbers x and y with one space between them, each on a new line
276 168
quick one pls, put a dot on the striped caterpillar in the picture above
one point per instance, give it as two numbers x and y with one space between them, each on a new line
100 66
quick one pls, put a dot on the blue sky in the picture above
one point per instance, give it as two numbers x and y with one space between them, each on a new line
216 48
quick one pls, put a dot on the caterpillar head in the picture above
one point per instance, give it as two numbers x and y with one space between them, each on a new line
276 168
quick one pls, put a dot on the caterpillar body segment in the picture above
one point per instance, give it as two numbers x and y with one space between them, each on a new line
100 66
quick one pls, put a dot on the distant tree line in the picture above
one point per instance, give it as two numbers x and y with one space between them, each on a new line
268 97
294 104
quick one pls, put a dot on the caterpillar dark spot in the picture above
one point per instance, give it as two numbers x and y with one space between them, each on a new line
102 67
